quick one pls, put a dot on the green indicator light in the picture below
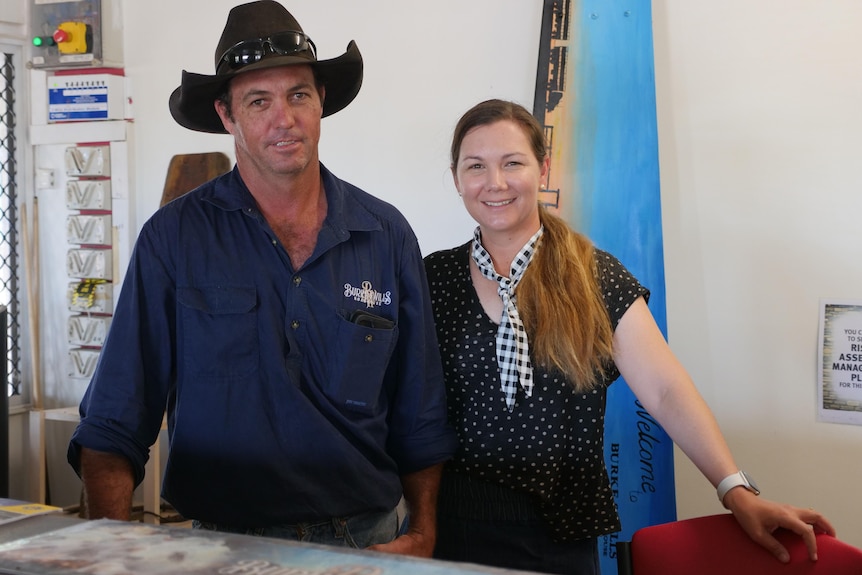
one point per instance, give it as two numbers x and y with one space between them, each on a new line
37 41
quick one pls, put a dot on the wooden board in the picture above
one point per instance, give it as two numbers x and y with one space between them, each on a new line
188 171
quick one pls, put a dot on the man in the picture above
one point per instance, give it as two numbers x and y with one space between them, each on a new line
282 318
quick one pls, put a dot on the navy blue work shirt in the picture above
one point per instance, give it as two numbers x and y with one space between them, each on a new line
280 408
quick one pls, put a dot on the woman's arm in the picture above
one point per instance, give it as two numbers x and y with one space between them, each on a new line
664 387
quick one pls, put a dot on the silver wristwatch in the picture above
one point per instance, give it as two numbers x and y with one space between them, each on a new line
738 479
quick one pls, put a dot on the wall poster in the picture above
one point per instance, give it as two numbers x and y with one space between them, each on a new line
595 95
839 376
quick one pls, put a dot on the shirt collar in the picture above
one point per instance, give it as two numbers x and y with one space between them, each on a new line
345 213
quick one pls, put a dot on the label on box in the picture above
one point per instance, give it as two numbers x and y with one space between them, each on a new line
79 98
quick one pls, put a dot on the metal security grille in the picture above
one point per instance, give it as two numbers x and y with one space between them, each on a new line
8 221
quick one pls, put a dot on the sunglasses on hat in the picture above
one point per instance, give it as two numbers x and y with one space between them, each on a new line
251 51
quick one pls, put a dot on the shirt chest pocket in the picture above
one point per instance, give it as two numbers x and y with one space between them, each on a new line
218 331
355 376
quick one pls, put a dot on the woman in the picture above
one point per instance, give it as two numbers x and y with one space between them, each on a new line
534 324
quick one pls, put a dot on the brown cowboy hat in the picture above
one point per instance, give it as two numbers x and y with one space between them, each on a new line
263 23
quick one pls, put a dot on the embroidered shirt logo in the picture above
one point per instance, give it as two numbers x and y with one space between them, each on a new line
367 295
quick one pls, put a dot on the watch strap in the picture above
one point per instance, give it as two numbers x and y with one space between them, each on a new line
738 479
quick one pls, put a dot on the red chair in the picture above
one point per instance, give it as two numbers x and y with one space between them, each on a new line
717 545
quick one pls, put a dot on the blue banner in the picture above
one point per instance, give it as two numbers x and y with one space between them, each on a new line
596 96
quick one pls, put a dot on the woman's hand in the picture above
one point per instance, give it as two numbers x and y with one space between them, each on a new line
761 517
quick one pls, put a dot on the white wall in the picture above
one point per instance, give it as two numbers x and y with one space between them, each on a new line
758 124
760 135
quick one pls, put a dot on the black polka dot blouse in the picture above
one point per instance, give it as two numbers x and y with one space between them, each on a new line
545 459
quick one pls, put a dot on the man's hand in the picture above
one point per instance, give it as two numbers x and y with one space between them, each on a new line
420 493
760 518
411 543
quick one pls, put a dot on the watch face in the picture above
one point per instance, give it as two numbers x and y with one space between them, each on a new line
748 479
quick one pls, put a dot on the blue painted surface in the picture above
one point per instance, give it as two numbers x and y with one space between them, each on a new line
617 204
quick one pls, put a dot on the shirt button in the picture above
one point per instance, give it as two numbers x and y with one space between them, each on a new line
297 280
294 324
369 338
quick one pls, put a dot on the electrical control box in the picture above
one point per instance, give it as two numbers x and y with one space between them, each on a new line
74 33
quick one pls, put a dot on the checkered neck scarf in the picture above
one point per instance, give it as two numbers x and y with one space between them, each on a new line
513 349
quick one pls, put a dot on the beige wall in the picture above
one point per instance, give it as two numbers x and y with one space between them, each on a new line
759 128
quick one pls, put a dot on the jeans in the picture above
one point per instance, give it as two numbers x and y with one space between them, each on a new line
356 531
524 545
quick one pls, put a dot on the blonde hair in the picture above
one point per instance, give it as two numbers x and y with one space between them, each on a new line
560 301
560 296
